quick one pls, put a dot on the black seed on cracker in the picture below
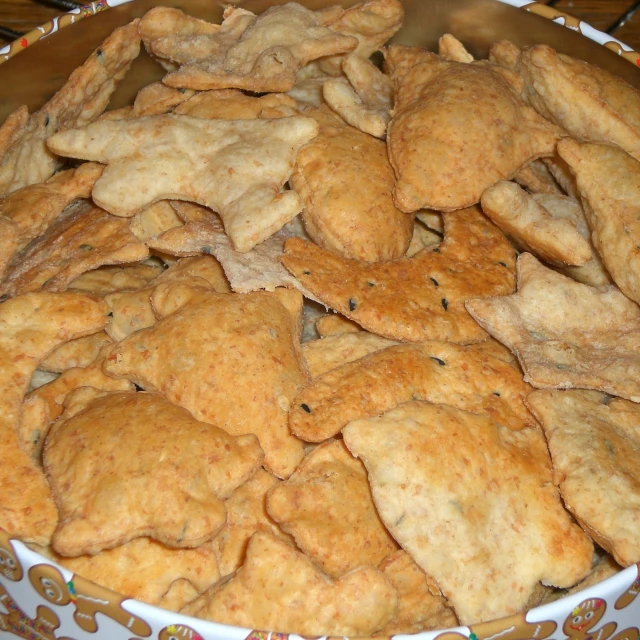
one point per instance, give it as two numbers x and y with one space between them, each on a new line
435 282
438 360
445 304
305 407
352 304
206 250
86 247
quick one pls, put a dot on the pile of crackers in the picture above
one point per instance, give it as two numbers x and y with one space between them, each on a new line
305 343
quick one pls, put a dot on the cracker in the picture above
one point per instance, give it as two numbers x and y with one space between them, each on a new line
232 104
32 209
608 180
81 100
308 91
45 405
31 326
435 159
421 607
246 514
326 506
85 239
566 334
256 53
105 500
505 53
146 570
334 323
468 513
418 298
156 98
364 102
537 178
80 352
465 377
344 179
593 445
534 228
232 360
154 220
357 604
335 350
588 102
235 167
108 279
8 243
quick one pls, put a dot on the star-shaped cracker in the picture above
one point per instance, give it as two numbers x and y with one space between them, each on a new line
326 506
608 180
418 298
468 499
436 160
24 157
237 168
567 334
31 326
256 53
280 588
231 359
471 378
167 481
594 449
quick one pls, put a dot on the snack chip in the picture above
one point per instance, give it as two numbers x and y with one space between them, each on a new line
466 522
234 167
167 482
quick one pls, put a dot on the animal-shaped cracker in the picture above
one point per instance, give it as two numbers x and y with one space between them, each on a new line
246 514
345 180
589 102
83 240
235 167
608 180
466 377
232 360
467 498
167 481
280 588
326 506
24 157
534 228
418 298
364 102
421 606
31 326
34 208
256 53
145 570
451 48
594 448
567 334
435 159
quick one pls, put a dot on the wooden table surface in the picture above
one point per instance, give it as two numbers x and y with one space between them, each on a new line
24 15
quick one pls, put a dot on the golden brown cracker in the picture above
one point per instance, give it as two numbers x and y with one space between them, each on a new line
256 53
608 180
465 377
344 179
326 506
156 98
246 514
80 352
537 178
232 360
85 239
233 104
335 350
592 443
107 279
564 333
83 97
334 323
421 607
235 167
451 48
154 220
418 298
534 228
435 159
468 513
167 482
31 326
146 570
311 603
33 208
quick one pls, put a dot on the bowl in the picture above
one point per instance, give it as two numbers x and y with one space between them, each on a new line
39 599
